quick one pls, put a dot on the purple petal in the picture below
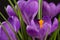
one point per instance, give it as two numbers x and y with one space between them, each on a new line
10 11
58 8
15 22
46 9
3 34
10 32
49 10
44 30
21 5
47 19
29 10
32 29
55 25
53 8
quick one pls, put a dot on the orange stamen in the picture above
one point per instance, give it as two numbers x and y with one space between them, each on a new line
41 23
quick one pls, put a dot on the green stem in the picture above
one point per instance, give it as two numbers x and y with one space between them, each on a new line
47 34
40 10
20 35
29 38
58 36
59 28
11 3
23 28
54 35
59 18
57 31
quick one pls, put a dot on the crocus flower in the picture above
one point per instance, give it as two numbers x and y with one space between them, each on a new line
38 29
34 29
49 10
14 21
15 25
29 10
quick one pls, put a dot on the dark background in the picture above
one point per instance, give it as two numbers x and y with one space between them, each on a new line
4 3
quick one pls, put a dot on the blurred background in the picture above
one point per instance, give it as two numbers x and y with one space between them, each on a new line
4 3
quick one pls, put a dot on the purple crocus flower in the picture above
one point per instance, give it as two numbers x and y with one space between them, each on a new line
15 25
3 35
29 10
49 10
14 21
34 28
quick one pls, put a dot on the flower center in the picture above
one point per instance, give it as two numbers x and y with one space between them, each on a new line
41 23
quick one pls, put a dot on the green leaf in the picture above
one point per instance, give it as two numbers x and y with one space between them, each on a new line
20 35
47 34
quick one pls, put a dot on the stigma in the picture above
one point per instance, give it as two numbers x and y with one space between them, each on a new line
41 23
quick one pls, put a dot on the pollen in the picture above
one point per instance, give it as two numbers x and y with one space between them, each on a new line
41 23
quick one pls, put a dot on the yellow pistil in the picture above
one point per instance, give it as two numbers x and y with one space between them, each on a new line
41 23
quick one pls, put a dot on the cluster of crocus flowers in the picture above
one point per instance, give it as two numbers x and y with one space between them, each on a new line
14 21
36 28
